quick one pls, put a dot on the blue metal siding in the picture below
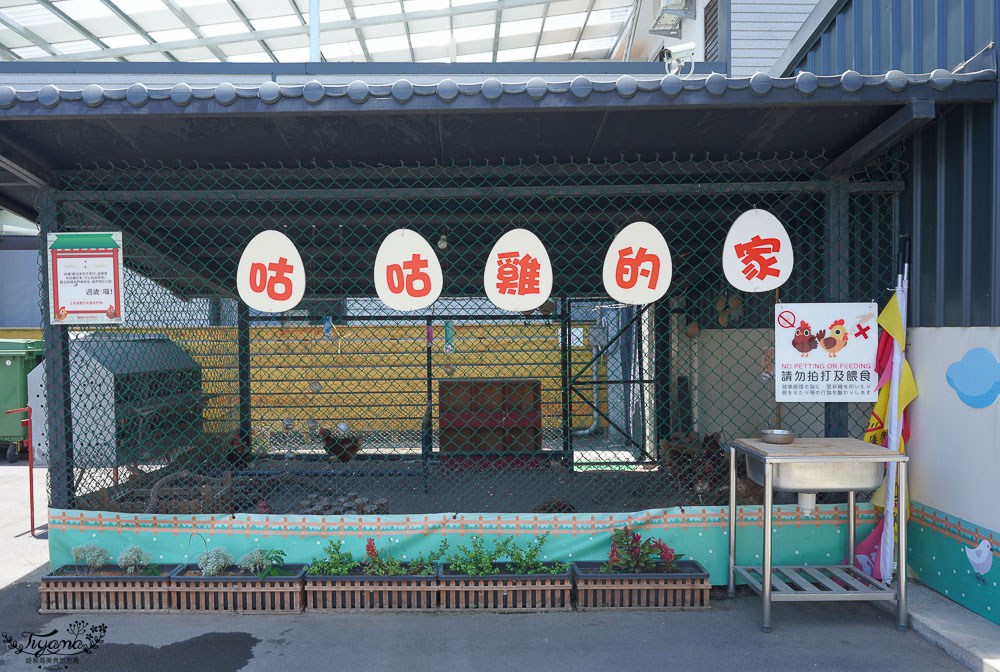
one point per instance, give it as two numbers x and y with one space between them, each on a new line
950 206
873 36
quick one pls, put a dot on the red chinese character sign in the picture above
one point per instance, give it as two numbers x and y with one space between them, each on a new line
637 268
271 277
407 271
86 278
518 275
758 255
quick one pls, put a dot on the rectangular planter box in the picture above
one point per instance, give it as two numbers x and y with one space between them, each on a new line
358 592
686 589
504 592
238 594
78 593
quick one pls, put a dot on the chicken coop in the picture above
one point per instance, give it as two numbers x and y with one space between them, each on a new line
344 404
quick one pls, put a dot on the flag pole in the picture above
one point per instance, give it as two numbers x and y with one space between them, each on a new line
894 421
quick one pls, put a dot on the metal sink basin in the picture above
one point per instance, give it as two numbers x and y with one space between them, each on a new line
818 476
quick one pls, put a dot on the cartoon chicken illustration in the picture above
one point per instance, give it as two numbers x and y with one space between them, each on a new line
112 313
61 315
804 340
981 559
836 341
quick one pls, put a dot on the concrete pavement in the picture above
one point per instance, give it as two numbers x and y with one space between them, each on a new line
21 553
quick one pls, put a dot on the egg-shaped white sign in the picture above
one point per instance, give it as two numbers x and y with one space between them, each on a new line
407 271
757 256
637 267
518 274
271 277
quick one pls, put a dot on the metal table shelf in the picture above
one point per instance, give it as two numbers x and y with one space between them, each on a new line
820 582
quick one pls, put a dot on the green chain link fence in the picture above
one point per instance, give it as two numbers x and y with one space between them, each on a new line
198 404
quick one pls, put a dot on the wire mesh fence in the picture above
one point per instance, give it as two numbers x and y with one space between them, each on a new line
200 404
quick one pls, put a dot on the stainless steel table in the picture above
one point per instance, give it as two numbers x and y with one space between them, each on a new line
814 582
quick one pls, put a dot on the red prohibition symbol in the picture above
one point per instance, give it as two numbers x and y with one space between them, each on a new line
786 319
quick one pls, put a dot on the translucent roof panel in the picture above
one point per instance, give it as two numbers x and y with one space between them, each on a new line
277 30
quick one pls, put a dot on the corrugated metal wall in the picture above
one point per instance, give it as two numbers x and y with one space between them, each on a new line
760 31
950 206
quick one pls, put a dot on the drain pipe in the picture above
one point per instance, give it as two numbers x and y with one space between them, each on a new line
596 400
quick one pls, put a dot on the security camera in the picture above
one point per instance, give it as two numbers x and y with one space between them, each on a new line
679 51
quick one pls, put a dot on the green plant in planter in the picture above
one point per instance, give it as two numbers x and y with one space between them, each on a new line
134 560
474 559
630 554
91 556
525 560
386 565
214 562
264 562
336 563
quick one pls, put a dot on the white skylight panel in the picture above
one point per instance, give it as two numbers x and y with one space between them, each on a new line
522 54
383 30
478 57
443 59
287 21
562 21
298 55
228 28
85 10
30 16
333 15
395 43
342 50
482 32
557 49
30 52
460 3
512 14
597 44
381 9
120 41
188 4
433 53
171 35
188 55
391 56
154 57
430 25
253 57
74 47
601 30
616 15
430 39
475 19
609 4
424 5
524 27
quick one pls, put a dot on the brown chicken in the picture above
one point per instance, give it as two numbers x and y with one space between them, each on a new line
837 339
342 447
804 340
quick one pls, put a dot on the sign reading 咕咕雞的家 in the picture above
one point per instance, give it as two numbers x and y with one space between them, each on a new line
825 352
86 276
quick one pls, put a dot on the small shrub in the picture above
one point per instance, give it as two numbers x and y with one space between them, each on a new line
91 556
421 566
263 562
474 559
134 560
526 561
214 562
336 563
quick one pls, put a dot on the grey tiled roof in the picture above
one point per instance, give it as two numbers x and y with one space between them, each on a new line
487 92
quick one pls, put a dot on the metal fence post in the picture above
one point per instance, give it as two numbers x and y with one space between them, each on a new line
243 373
837 251
62 493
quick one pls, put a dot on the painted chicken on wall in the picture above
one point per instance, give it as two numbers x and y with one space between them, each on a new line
837 339
804 340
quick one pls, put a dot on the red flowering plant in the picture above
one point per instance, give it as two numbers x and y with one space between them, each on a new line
631 554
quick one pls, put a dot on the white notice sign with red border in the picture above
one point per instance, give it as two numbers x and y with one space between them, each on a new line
86 278
825 352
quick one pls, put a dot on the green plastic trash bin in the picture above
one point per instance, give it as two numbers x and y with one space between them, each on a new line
17 358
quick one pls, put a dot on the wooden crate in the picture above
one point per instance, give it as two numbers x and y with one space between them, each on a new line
370 593
687 590
238 594
78 593
488 415
504 592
